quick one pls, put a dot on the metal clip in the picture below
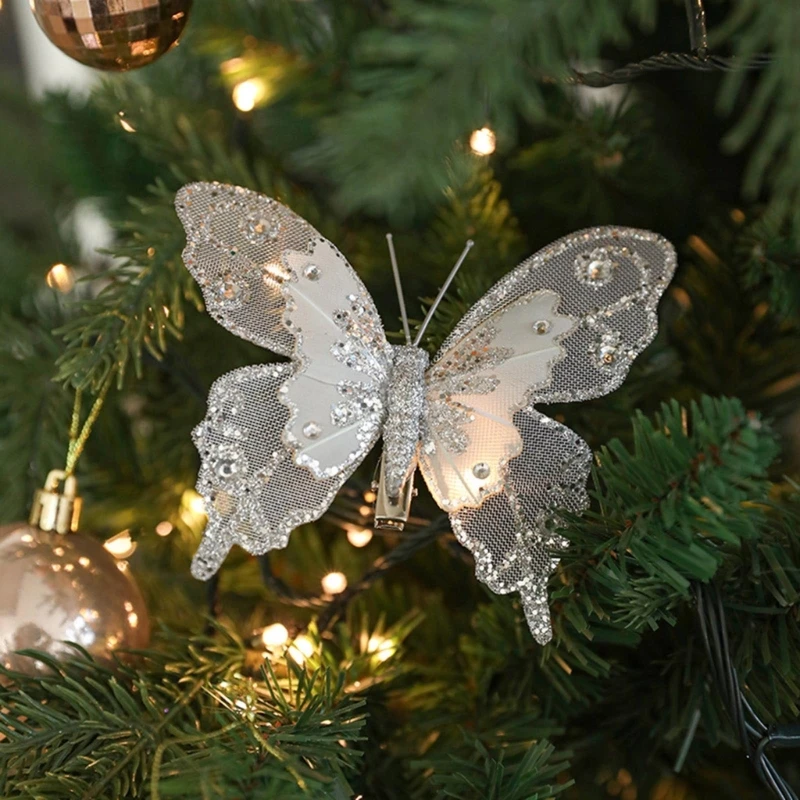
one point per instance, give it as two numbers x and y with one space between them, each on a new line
55 510
391 514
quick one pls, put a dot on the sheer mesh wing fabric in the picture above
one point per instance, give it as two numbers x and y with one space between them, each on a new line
473 391
269 277
513 534
610 281
563 326
337 396
235 242
255 493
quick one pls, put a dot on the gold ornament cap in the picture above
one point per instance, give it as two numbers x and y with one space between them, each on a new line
54 509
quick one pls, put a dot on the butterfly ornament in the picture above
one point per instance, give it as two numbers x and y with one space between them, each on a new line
280 439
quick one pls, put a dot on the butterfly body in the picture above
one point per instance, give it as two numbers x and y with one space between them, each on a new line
280 440
402 429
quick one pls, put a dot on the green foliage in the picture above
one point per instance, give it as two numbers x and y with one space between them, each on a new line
139 308
486 778
34 411
183 721
666 510
466 56
767 257
772 119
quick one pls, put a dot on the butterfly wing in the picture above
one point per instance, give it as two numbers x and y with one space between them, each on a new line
564 325
279 440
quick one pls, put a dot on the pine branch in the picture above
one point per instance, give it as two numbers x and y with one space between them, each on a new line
772 119
140 307
769 262
470 57
533 775
174 721
34 412
667 512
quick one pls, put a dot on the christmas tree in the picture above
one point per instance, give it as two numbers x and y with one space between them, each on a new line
371 664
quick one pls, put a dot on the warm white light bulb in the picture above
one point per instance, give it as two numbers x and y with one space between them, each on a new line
124 124
275 635
334 583
247 94
120 545
381 647
192 501
60 277
359 538
483 142
301 649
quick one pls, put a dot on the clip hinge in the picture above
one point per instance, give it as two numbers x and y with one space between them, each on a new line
391 514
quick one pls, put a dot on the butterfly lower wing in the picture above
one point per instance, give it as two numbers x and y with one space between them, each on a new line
269 277
254 492
513 534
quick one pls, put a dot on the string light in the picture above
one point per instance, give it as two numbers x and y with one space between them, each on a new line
231 65
483 142
124 124
359 537
370 496
381 647
121 545
334 583
248 94
193 508
275 635
164 528
60 277
301 649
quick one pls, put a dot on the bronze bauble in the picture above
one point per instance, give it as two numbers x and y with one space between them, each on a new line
56 587
113 35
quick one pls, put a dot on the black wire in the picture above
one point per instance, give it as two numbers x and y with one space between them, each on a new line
285 592
212 601
754 734
666 62
408 547
332 609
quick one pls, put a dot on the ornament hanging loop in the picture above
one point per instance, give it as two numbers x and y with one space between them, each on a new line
57 509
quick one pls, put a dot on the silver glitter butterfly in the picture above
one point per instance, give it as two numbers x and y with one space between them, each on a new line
279 440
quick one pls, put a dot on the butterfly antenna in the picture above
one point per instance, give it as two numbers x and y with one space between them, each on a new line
399 287
445 286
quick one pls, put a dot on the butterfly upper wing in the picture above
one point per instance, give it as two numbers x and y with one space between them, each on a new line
235 240
564 325
610 280
269 277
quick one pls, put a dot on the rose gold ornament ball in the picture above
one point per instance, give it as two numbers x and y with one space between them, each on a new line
113 35
56 587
